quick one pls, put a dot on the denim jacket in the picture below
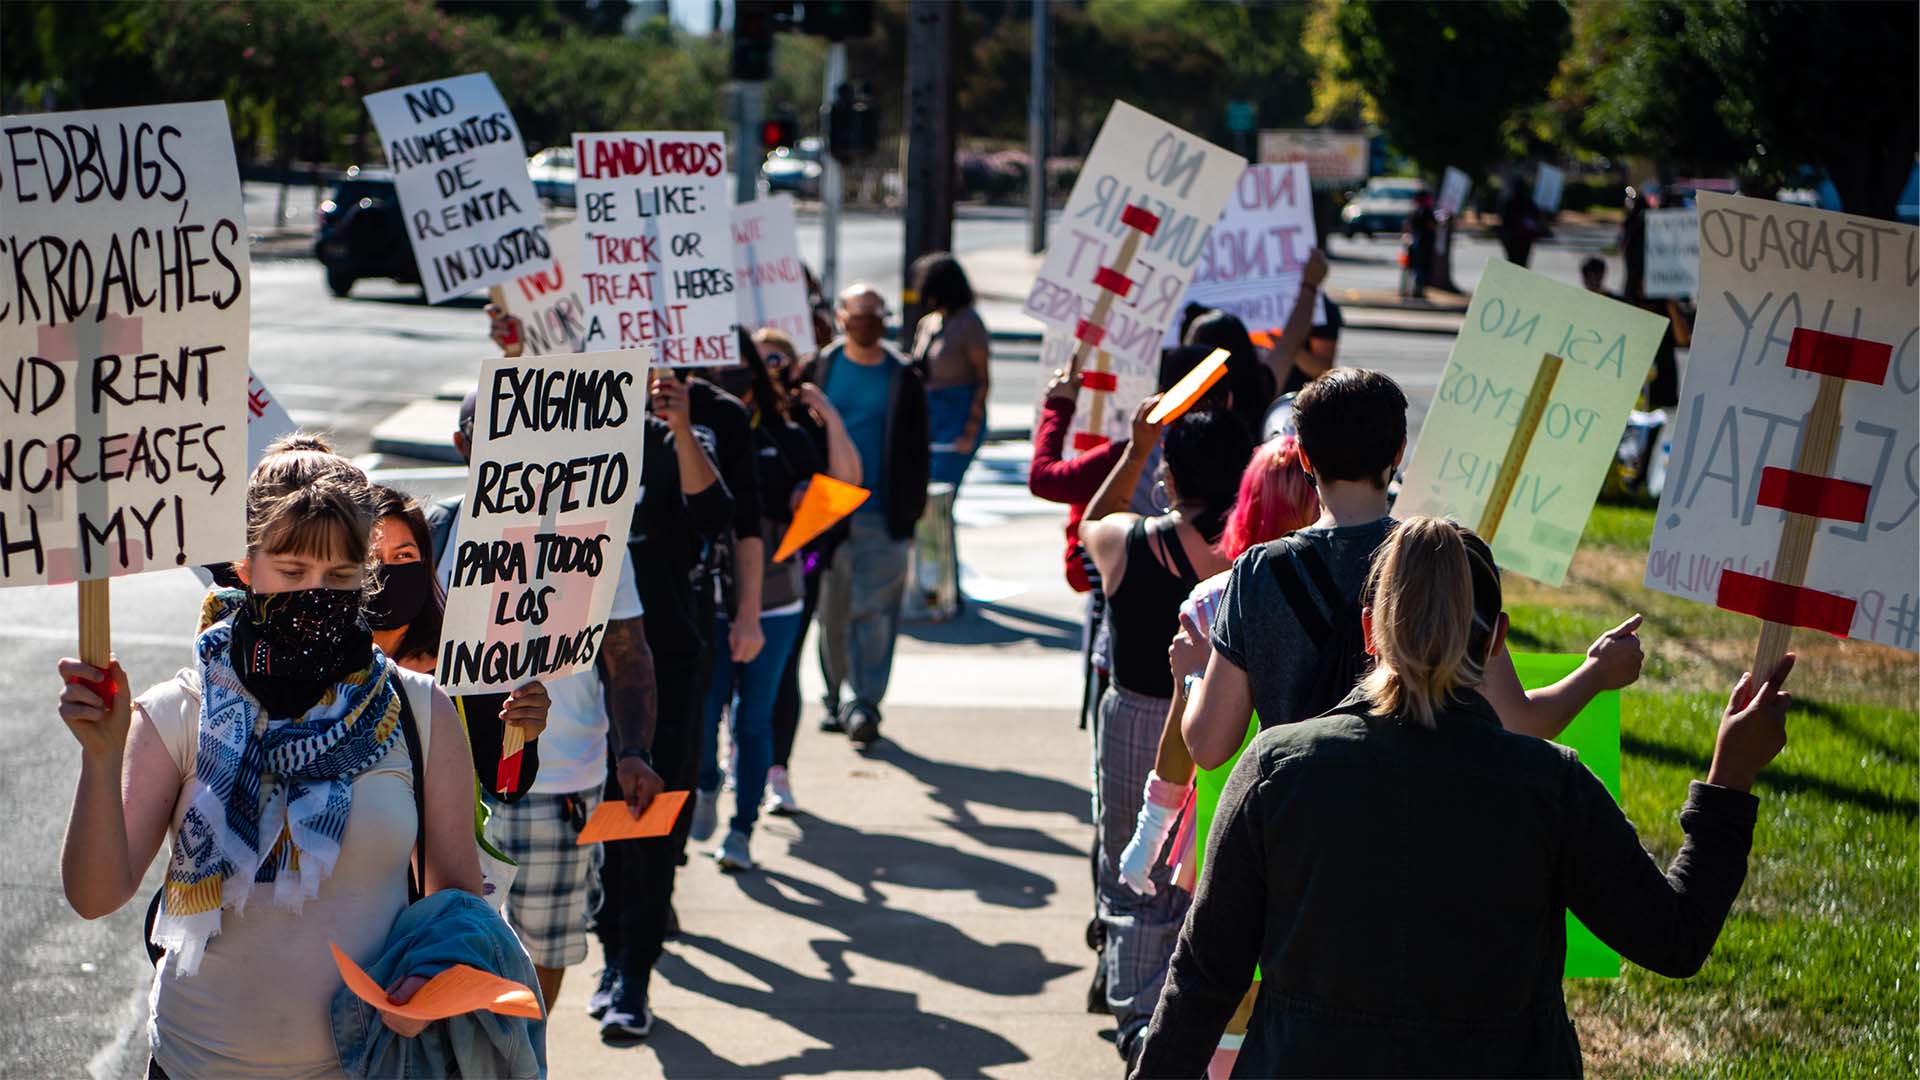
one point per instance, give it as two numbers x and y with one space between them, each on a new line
1404 891
450 927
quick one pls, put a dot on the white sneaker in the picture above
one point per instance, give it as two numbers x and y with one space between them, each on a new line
732 853
780 798
706 815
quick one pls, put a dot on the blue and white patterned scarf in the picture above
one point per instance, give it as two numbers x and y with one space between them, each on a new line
290 784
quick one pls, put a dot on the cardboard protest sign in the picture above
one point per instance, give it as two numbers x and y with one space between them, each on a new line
1673 253
1091 425
771 283
1515 319
124 296
1454 188
1128 245
656 245
267 420
1796 306
550 492
460 170
1257 251
548 302
1547 185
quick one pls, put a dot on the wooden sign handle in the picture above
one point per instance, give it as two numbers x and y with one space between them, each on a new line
1796 538
1122 260
1096 409
96 625
1523 433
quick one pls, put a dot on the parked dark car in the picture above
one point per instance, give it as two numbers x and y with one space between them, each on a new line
363 233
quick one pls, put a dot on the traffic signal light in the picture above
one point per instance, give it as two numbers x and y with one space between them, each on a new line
754 24
782 130
837 20
853 124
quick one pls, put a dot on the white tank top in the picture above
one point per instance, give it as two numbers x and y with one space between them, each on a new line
260 1005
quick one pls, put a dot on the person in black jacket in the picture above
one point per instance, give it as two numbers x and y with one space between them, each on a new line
1400 869
884 406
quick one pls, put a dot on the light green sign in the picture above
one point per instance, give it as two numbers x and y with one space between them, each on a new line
1516 317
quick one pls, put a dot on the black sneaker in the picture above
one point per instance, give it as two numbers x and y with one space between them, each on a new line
602 998
831 723
863 725
627 1018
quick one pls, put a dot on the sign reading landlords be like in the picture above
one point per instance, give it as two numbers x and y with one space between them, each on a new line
461 173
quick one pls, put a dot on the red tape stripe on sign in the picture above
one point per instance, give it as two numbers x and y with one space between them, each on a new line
1832 354
1089 333
1139 217
1100 380
1815 496
1793 605
1113 281
1087 440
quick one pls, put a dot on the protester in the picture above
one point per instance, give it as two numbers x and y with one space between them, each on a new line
1519 224
1633 244
1147 566
877 393
824 428
1424 934
1287 659
1276 497
407 601
286 765
787 462
1421 228
950 351
683 508
539 831
1251 384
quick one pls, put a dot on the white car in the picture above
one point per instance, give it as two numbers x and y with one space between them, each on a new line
794 169
1382 207
554 174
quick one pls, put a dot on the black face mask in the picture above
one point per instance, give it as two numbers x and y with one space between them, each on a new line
403 590
289 648
735 381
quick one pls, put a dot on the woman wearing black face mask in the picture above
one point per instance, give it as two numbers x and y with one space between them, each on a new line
280 764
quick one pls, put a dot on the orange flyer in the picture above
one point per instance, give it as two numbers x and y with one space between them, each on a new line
612 821
1190 389
454 992
827 501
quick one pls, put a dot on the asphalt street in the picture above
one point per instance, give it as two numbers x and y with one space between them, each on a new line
75 995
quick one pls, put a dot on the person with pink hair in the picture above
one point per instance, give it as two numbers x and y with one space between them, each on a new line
1276 496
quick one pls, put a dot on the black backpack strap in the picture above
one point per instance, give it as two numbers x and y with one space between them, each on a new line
1321 573
410 729
1286 574
1169 537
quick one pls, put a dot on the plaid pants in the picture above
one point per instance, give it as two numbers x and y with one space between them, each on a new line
1141 930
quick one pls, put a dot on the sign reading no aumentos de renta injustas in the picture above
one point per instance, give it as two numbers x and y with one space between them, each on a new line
461 173
656 245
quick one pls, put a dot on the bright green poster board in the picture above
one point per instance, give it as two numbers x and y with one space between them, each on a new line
1595 733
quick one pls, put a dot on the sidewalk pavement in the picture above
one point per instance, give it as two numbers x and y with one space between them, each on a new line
926 913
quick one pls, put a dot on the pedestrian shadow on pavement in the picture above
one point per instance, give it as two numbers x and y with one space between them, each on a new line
905 938
960 787
988 623
866 1028
866 859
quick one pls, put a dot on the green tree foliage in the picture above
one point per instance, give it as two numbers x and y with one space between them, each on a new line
1451 80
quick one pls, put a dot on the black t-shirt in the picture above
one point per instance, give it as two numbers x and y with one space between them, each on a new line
724 429
670 534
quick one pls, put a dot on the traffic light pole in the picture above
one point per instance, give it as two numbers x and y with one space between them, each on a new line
748 99
929 175
831 192
1039 138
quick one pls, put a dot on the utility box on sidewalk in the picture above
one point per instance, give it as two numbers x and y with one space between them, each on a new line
933 570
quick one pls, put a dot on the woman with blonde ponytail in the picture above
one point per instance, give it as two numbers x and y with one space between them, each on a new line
1406 864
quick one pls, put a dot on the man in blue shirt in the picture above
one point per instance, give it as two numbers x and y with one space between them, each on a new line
885 409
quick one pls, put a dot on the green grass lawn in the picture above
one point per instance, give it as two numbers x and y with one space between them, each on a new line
1817 972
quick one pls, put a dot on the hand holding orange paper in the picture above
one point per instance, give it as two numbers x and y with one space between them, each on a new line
827 501
1175 402
454 992
612 821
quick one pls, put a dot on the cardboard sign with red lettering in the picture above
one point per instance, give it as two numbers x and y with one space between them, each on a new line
771 282
656 245
123 343
1791 297
1258 249
549 302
